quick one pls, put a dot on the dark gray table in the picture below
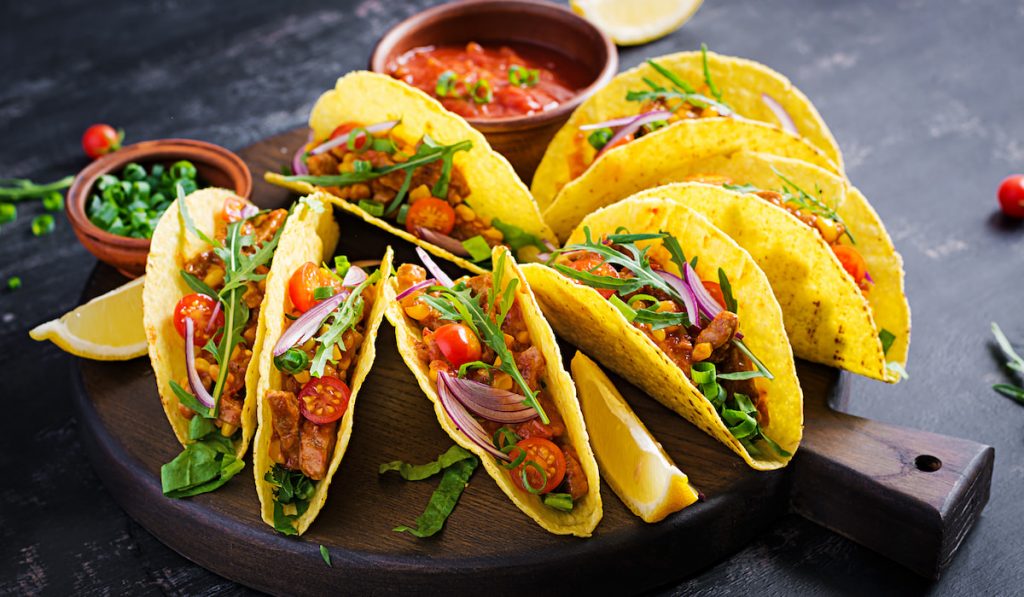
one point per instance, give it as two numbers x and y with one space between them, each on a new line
924 97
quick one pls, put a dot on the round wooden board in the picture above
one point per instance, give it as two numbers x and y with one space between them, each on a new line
487 543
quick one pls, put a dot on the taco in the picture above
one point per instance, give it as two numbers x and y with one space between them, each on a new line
202 300
309 379
486 358
655 292
392 155
644 103
816 261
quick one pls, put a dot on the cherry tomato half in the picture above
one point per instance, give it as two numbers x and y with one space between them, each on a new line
546 455
100 139
199 308
304 282
432 213
324 399
233 207
359 142
458 343
852 262
588 262
1011 196
715 290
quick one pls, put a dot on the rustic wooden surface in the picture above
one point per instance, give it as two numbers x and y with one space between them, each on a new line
923 97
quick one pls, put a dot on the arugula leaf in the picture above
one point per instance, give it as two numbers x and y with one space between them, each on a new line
345 317
326 555
418 472
189 401
682 91
707 73
795 195
723 282
187 219
198 285
1015 361
443 501
426 153
887 338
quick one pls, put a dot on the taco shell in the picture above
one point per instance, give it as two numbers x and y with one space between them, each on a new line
742 83
582 316
309 235
496 191
170 248
584 517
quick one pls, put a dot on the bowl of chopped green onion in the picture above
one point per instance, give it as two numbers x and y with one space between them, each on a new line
116 202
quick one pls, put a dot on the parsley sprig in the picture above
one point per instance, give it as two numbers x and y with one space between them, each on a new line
458 304
1014 361
681 90
427 152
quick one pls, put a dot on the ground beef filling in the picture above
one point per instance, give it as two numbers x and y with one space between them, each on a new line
209 268
529 361
297 443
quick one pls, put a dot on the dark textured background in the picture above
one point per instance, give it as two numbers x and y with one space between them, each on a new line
924 97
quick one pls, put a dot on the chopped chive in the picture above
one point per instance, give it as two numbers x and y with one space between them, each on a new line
402 213
8 213
477 247
13 283
341 265
559 501
42 225
323 292
371 207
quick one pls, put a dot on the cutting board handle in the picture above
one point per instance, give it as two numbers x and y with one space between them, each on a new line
910 495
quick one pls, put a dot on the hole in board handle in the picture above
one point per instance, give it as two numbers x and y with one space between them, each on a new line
927 463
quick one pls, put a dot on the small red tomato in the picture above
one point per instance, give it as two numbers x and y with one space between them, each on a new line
304 282
544 456
1011 196
199 308
852 262
593 263
324 399
715 290
100 139
430 213
458 343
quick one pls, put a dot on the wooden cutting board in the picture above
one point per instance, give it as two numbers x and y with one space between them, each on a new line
908 494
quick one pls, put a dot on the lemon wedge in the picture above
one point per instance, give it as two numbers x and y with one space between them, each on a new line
107 328
632 462
631 23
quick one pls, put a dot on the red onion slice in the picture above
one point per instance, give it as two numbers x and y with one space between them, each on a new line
198 389
465 422
299 167
380 127
442 240
689 301
304 327
707 303
500 406
614 123
784 118
213 317
433 268
418 286
354 276
633 126
249 211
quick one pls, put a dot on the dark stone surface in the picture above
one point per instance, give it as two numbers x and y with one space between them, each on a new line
924 98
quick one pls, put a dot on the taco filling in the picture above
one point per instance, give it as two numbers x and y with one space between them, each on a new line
693 322
660 106
412 185
326 315
813 212
219 320
491 379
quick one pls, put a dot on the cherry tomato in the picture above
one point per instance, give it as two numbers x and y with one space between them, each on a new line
199 308
360 141
852 262
304 282
324 399
548 456
100 139
432 213
1011 196
715 290
588 262
458 343
233 206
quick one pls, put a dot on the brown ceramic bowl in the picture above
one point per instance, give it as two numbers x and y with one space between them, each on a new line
215 166
521 139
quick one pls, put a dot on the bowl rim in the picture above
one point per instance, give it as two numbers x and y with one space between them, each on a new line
607 73
191 149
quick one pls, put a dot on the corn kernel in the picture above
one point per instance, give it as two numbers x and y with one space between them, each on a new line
420 192
492 234
214 277
302 377
702 351
523 337
502 381
418 311
658 335
830 229
336 355
227 429
465 213
202 365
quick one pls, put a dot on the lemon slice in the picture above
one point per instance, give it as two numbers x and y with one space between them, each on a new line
107 328
632 462
631 23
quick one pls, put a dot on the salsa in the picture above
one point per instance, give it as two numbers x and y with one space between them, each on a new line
490 82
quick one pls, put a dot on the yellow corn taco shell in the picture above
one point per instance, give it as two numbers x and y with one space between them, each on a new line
581 315
742 83
584 517
170 247
496 191
656 158
310 235
828 319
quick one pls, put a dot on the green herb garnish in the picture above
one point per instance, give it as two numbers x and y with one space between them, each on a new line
341 266
345 317
13 283
559 501
445 86
480 92
443 500
1013 361
21 189
326 556
887 338
794 195
131 205
292 361
599 138
681 91
42 225
8 213
418 472
736 410
477 247
291 488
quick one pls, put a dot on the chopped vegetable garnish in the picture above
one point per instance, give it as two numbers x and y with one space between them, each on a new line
326 556
53 201
13 283
887 338
477 247
132 204
443 501
291 488
418 472
522 76
42 224
8 213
